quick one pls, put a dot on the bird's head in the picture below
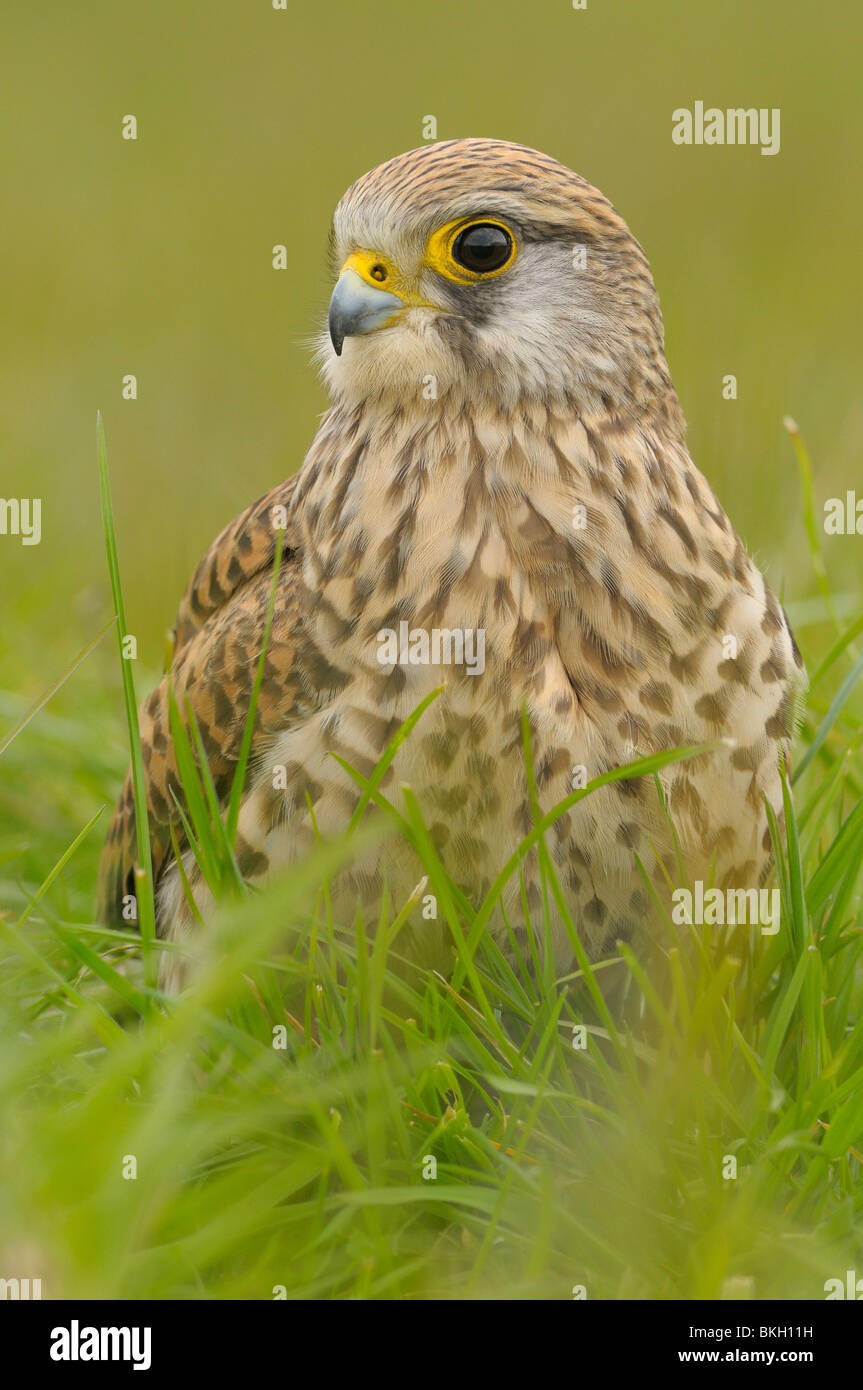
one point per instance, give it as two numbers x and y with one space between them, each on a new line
481 268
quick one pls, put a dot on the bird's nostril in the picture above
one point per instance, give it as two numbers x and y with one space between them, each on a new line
378 272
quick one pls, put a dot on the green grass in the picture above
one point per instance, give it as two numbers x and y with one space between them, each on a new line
307 1165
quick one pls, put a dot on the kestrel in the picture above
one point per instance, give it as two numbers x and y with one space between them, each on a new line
503 467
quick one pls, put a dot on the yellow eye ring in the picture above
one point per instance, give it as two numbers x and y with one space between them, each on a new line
439 252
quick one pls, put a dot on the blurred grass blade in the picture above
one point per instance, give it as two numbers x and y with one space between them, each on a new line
144 876
387 756
52 689
836 706
58 868
809 517
843 644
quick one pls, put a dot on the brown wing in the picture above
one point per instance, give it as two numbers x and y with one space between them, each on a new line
245 547
217 645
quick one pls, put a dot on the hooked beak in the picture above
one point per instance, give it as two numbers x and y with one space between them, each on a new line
358 307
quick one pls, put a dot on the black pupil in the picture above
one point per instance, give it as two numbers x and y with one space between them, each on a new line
482 247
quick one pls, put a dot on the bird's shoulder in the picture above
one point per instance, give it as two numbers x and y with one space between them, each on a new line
243 549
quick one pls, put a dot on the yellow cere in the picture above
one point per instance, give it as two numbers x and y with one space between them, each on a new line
375 270
381 273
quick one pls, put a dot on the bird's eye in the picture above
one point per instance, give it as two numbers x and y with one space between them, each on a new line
482 248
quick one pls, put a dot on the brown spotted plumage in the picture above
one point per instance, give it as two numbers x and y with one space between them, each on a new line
505 452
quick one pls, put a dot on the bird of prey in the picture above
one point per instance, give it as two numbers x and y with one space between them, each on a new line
499 501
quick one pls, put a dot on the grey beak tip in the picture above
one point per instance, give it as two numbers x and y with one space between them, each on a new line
337 338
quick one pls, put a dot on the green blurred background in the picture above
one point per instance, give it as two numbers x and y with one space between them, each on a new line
154 258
